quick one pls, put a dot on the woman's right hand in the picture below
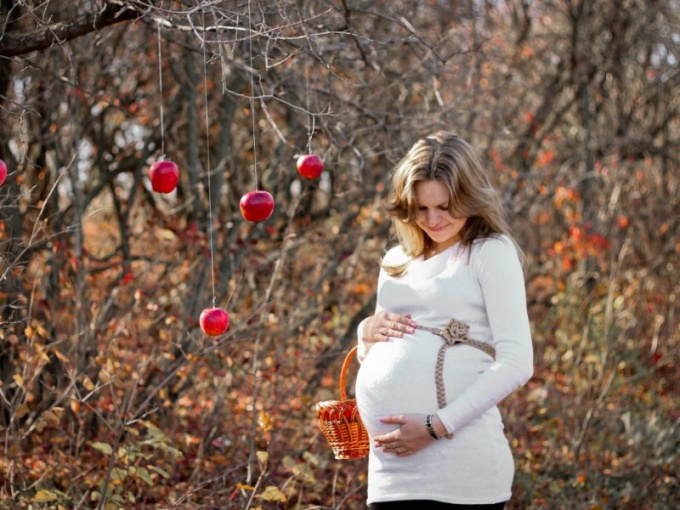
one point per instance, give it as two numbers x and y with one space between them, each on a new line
385 325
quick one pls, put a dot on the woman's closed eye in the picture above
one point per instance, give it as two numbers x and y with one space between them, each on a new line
441 208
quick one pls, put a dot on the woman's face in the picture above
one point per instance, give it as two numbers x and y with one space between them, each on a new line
433 215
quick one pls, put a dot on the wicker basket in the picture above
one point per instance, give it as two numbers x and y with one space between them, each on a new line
340 421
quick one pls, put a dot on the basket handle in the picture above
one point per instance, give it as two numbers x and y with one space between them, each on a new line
343 373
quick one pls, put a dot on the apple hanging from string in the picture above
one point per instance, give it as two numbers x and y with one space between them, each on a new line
310 166
257 205
214 321
164 176
3 172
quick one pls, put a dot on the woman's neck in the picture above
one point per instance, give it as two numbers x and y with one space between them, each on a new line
434 248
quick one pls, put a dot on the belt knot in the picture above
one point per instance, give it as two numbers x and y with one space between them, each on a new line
455 331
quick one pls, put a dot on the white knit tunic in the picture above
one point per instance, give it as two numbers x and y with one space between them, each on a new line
486 291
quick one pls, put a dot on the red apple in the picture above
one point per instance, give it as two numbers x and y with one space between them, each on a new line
310 166
214 321
164 176
3 172
257 205
349 412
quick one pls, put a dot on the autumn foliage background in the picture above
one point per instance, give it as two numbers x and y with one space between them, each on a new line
110 394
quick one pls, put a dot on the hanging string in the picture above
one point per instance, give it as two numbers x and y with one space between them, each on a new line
256 347
252 95
160 86
207 158
310 117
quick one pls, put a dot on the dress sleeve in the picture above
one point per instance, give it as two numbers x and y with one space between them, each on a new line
393 255
362 347
499 272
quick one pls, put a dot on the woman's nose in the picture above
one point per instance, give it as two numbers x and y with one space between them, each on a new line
432 218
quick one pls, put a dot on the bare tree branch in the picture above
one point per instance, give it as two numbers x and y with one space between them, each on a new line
13 44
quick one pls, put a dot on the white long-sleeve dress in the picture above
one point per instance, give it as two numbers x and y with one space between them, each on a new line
484 288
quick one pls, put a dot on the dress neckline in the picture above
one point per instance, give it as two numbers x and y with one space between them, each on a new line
438 254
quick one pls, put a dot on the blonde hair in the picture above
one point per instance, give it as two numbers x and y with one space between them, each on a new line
450 160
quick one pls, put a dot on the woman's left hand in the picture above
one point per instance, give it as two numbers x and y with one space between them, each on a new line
410 437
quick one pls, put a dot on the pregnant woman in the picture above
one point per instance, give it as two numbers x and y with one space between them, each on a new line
450 338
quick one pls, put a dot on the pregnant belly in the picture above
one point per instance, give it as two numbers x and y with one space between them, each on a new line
398 377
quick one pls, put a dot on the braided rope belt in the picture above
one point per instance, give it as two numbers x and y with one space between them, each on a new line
453 333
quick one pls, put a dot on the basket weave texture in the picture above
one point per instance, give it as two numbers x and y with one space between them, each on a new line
340 422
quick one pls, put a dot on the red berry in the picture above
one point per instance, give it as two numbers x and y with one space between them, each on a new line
257 205
164 176
622 222
214 321
310 166
3 172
